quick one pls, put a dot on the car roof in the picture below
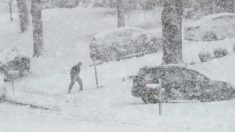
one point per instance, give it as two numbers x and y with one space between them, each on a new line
209 18
172 67
121 35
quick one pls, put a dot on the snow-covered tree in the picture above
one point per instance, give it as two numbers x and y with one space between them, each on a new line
36 13
172 31
77 2
23 14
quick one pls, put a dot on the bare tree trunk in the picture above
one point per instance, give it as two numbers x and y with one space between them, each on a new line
36 12
77 2
23 15
120 13
10 9
172 31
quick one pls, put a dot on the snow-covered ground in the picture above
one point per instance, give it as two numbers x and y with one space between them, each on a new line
111 108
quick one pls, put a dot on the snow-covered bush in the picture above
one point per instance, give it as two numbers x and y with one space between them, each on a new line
205 56
12 61
209 36
220 52
124 43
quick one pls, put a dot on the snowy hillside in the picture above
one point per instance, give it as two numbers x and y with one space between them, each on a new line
68 33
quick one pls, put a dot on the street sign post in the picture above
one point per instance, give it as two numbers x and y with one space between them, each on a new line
157 86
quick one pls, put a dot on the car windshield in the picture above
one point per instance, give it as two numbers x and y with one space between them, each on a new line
196 75
224 17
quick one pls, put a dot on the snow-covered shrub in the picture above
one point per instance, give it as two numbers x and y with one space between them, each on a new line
13 61
2 89
220 52
205 56
124 43
209 36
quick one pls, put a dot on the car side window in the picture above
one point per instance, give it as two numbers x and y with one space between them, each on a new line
173 73
187 75
148 77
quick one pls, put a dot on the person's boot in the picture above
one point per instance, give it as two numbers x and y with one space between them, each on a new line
81 89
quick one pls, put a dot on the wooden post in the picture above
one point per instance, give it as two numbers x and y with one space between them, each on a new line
96 76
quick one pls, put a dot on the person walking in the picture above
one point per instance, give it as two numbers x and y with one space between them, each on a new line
74 74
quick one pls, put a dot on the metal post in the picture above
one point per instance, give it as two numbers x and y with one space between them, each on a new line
160 98
96 76
160 103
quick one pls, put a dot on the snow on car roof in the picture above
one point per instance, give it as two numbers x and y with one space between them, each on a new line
209 17
120 36
10 54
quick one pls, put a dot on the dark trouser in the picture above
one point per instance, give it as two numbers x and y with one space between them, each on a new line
73 80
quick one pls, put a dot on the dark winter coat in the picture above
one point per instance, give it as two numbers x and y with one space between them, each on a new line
75 70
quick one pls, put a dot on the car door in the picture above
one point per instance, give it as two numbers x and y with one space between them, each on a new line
183 83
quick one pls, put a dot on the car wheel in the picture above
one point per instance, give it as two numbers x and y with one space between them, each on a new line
195 97
209 36
206 98
152 98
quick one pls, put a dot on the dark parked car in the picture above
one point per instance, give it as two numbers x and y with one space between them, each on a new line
179 83
211 28
124 43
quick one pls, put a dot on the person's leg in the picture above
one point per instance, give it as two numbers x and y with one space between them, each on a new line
71 84
79 80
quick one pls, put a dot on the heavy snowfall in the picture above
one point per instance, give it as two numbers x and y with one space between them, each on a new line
117 65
